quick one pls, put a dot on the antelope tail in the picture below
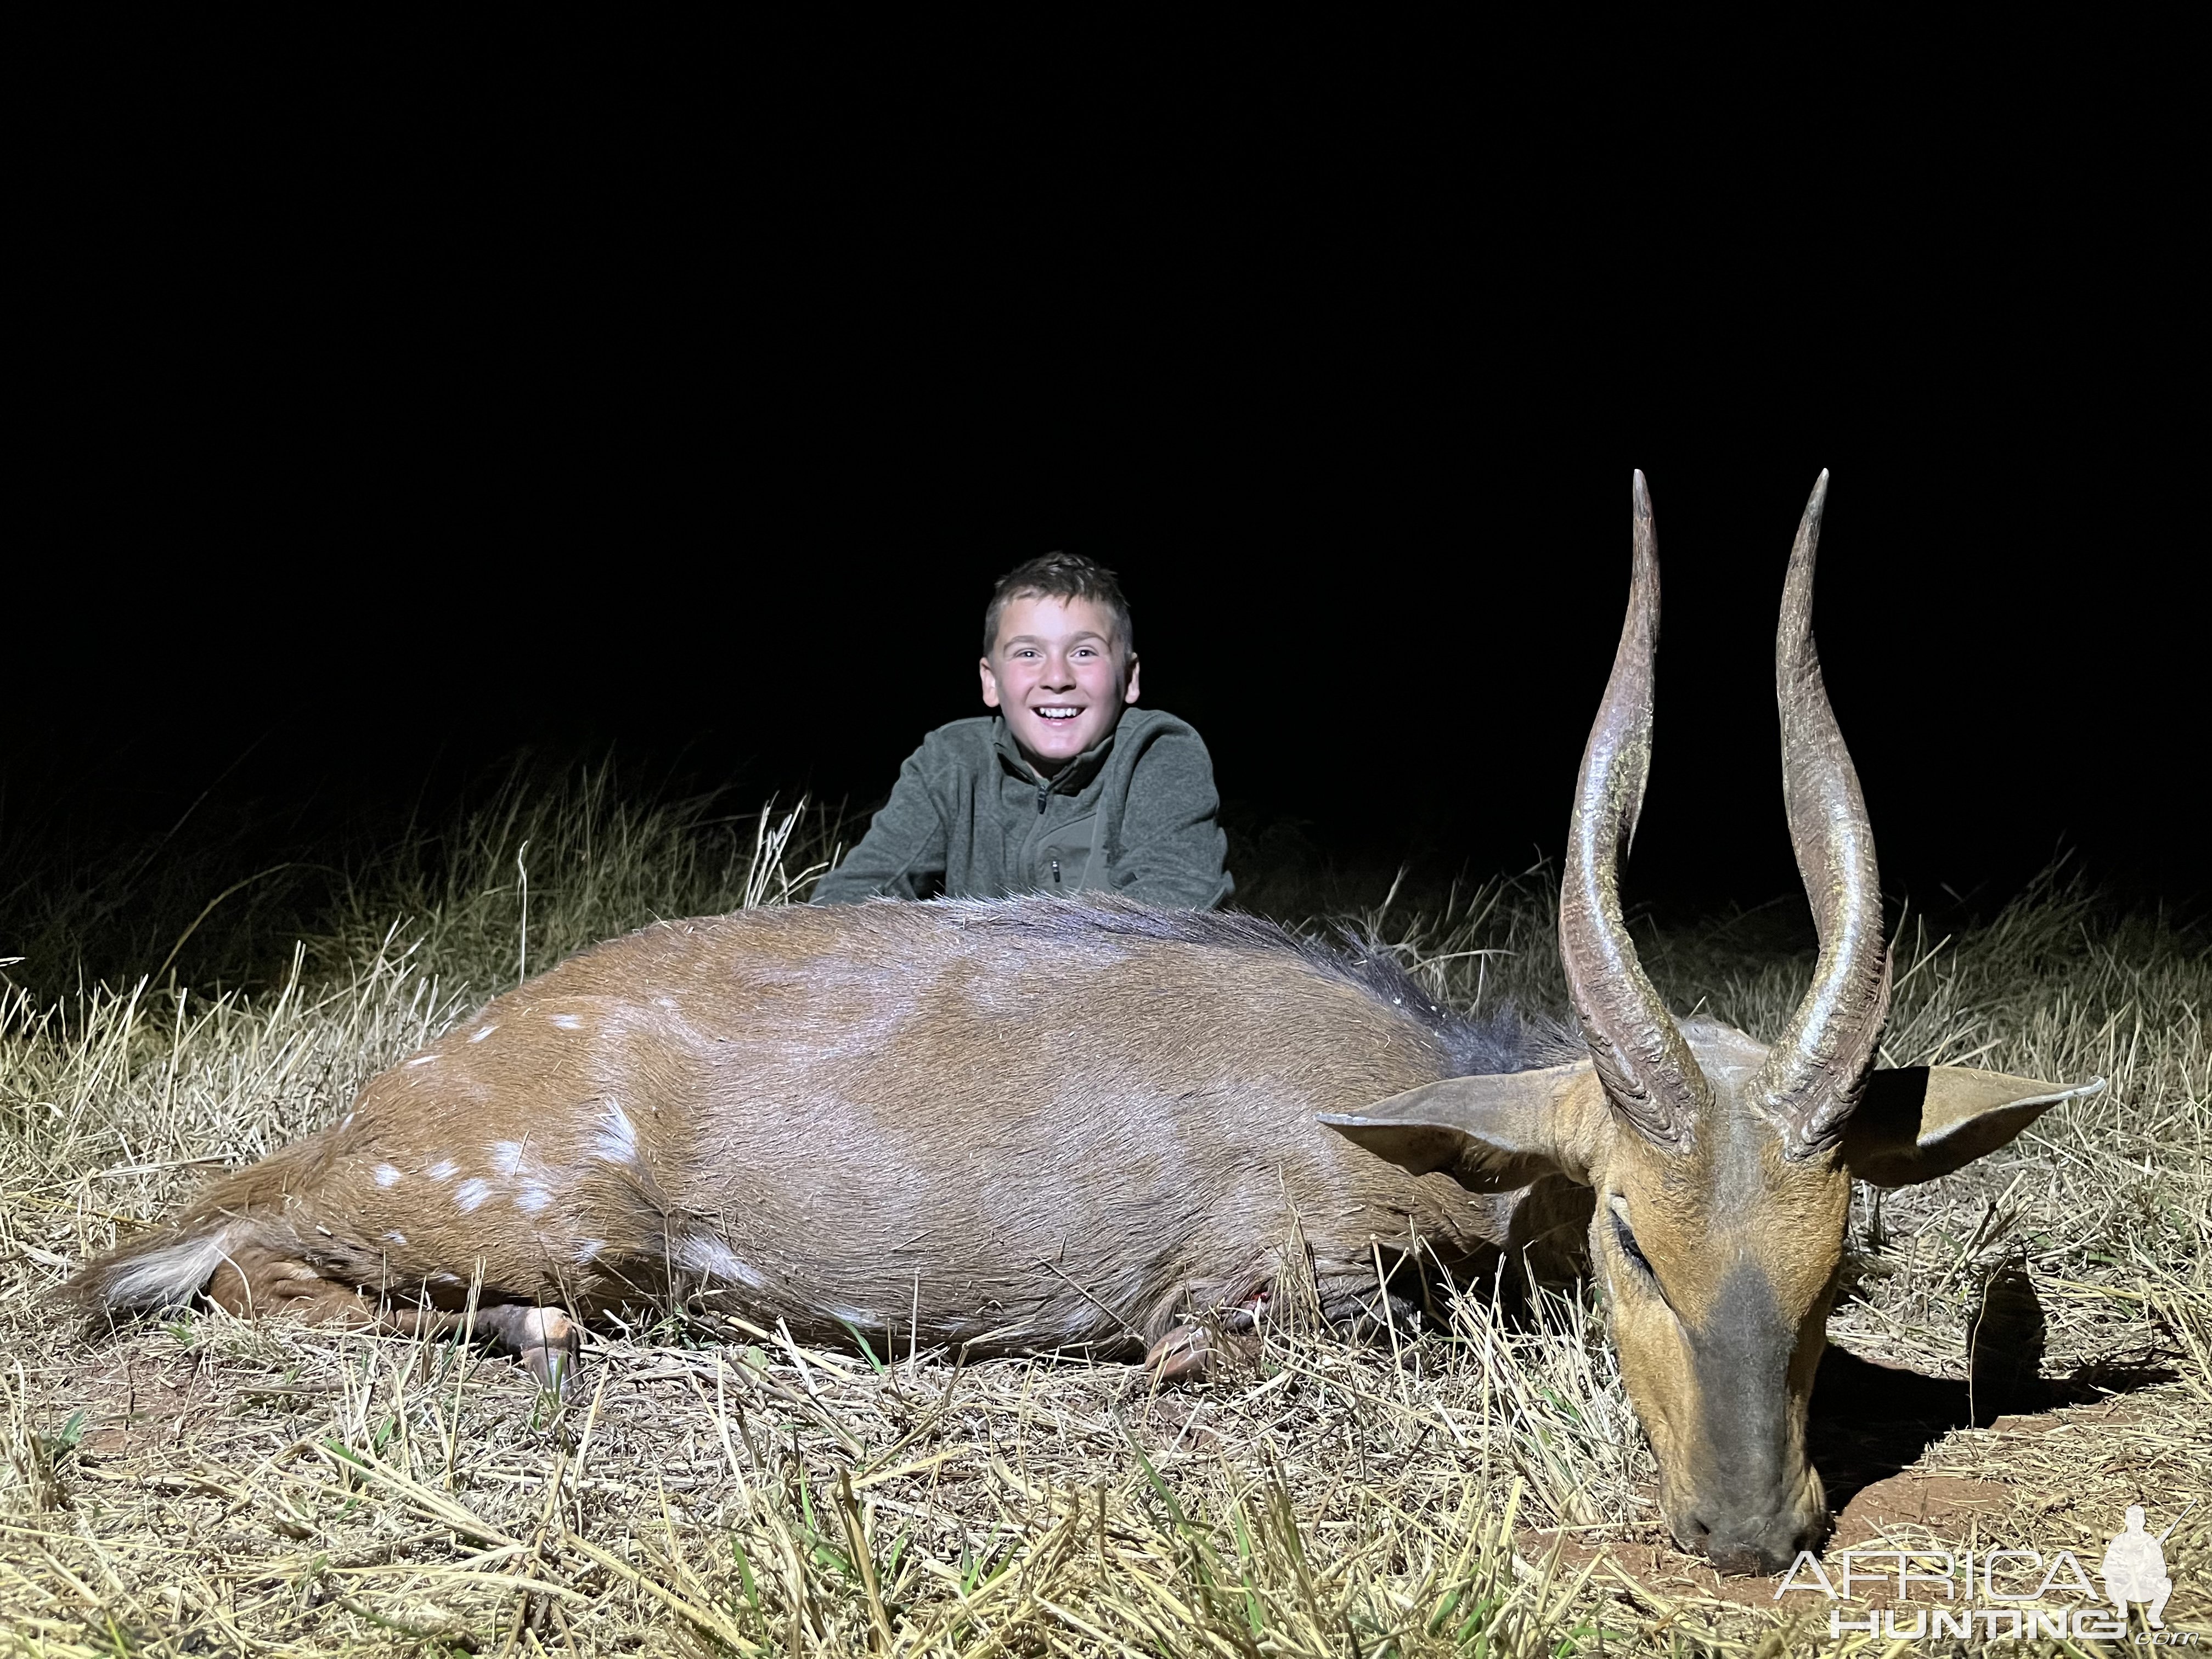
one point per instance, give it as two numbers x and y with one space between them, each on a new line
164 1269
167 1266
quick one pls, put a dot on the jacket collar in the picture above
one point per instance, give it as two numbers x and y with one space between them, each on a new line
1072 779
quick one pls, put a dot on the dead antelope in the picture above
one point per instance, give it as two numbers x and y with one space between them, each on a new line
1032 1125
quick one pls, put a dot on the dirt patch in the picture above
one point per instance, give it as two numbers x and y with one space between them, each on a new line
1947 1505
2008 1503
131 1406
1936 1505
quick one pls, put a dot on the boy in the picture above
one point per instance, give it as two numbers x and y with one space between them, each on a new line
1068 786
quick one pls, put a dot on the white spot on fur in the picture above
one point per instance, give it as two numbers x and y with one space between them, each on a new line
616 1142
469 1193
387 1175
421 1060
506 1157
163 1278
444 1170
569 1022
533 1198
444 1278
395 1237
665 1002
589 1250
482 1032
703 1253
852 1315
346 1122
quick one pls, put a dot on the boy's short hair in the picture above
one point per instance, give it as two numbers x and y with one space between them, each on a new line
1060 576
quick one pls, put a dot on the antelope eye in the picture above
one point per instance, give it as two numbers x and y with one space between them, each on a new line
1617 1208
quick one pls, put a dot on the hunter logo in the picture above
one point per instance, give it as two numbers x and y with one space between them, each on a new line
2135 1568
2019 1595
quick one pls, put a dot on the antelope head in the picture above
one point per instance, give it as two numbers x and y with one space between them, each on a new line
1722 1167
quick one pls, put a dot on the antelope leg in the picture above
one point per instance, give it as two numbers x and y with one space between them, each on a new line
1357 1311
545 1339
1189 1347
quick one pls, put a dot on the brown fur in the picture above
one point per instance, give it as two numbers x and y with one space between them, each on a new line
1034 1125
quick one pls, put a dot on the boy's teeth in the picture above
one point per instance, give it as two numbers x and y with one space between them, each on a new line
1058 713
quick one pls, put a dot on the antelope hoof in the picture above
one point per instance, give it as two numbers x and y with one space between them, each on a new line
1188 1352
1183 1352
548 1343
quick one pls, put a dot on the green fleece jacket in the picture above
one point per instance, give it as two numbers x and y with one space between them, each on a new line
1137 815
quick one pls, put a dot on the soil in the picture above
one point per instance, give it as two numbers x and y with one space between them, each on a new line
2006 1500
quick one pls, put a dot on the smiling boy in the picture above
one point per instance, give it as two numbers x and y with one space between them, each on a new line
1068 785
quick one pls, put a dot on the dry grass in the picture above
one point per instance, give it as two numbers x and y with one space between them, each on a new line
206 1487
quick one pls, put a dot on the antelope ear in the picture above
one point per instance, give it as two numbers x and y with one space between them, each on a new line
1491 1134
1921 1121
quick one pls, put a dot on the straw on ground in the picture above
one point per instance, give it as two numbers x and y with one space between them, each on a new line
202 1485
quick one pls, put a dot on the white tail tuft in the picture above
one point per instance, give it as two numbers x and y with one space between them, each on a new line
165 1275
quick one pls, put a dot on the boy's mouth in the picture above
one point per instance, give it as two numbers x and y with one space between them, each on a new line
1057 711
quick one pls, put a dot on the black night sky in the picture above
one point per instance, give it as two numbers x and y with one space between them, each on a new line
380 427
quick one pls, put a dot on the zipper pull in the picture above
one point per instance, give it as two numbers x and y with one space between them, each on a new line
1055 872
1043 789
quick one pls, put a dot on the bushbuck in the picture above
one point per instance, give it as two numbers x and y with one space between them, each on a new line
1030 1124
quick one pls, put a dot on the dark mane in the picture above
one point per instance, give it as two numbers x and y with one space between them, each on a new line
1503 1040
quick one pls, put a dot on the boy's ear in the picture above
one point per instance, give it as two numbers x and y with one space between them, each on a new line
1491 1134
990 682
1129 689
1918 1122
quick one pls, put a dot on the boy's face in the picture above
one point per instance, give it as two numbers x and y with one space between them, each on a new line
1057 674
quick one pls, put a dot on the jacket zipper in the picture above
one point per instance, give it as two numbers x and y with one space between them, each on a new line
1043 789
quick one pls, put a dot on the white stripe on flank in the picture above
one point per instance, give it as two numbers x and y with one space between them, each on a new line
479 1034
616 1142
569 1022
703 1253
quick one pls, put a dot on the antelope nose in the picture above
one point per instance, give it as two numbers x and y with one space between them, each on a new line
1766 1544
